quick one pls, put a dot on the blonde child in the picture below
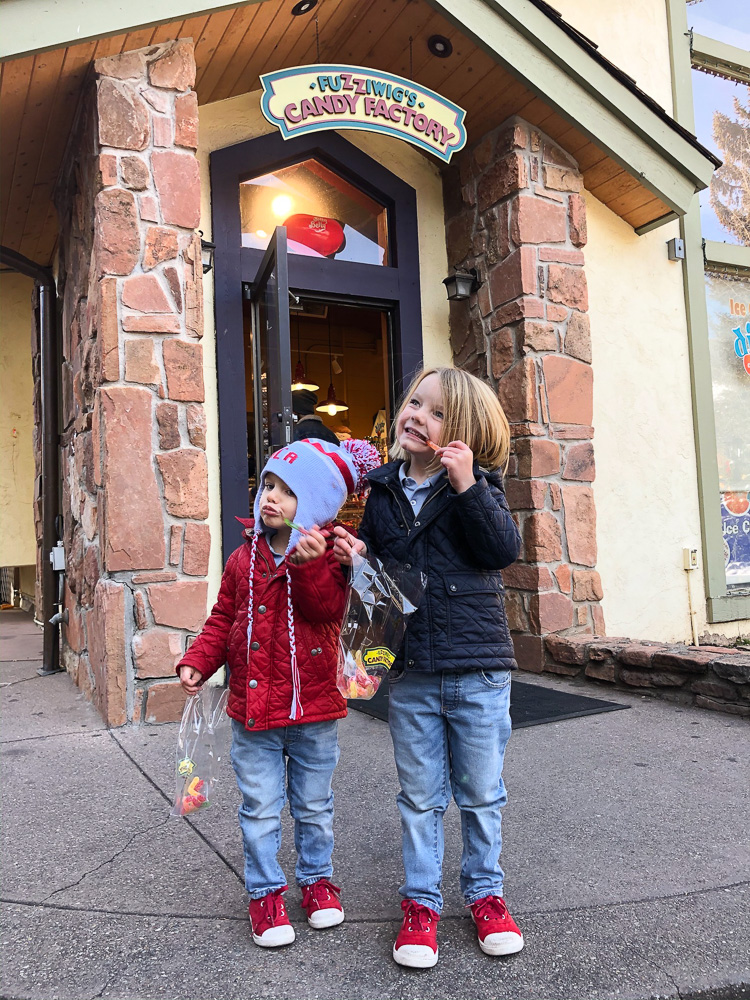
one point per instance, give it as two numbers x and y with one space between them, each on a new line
439 506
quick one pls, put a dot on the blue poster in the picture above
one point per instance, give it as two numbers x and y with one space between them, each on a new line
735 520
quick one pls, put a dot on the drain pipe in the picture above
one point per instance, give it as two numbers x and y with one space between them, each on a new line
52 575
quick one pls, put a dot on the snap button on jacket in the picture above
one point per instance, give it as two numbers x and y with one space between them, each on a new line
260 678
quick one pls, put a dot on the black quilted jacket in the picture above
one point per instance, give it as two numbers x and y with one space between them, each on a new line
461 541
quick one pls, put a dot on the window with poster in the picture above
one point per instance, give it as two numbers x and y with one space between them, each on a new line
721 104
728 306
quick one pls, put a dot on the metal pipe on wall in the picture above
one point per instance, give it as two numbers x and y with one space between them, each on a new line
51 579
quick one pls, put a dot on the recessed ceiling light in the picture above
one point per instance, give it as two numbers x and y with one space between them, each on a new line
303 7
440 46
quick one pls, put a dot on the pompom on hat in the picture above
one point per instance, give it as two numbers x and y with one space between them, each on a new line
320 474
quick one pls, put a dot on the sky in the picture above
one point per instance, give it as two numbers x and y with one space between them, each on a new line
728 21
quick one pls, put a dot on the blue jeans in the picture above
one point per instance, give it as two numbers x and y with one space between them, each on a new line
449 735
298 760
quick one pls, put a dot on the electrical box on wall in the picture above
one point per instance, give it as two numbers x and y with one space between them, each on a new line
690 559
676 249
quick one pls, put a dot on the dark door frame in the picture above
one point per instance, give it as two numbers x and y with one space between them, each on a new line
395 287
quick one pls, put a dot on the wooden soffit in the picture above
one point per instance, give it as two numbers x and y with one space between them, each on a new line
510 57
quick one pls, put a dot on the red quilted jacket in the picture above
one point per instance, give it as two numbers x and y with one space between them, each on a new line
260 684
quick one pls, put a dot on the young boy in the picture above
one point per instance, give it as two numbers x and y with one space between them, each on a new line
276 623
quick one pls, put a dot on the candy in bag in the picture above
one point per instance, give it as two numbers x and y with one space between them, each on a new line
381 598
200 744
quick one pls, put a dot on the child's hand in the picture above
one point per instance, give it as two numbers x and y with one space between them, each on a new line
311 546
458 459
191 679
345 544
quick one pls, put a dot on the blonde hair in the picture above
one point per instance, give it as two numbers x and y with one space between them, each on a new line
471 413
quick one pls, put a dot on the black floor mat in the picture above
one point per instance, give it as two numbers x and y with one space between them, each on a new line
530 705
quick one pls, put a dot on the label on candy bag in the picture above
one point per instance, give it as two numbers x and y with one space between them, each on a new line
378 655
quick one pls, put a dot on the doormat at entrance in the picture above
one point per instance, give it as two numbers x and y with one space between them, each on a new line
530 705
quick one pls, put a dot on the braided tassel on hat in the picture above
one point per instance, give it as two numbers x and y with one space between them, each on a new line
297 711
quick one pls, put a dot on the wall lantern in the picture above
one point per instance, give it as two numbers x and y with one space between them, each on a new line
207 253
461 284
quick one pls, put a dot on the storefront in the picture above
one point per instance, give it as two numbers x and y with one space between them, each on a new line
497 143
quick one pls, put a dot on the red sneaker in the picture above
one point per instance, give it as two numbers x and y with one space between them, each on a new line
416 944
497 931
271 927
320 901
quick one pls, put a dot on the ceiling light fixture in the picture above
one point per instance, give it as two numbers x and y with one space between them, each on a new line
303 7
440 46
301 381
331 405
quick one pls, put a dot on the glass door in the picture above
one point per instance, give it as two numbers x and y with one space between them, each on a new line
271 359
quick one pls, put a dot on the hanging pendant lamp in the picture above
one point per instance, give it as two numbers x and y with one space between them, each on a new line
331 405
301 381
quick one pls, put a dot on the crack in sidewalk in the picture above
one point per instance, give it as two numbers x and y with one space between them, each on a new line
108 861
107 985
186 819
21 680
527 914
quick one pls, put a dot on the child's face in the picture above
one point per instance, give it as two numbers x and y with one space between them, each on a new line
276 502
421 418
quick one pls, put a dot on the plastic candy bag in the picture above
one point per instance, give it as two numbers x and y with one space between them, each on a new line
200 743
381 598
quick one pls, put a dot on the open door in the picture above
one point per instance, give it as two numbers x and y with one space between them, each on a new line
271 359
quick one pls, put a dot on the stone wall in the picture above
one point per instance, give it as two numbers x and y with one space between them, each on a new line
514 211
135 487
714 677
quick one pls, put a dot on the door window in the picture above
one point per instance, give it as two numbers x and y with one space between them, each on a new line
324 215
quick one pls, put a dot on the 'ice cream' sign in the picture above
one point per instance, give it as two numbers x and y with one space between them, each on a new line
310 98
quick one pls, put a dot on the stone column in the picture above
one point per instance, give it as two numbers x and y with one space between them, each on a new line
514 212
134 464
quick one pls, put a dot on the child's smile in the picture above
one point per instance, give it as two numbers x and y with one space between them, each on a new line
421 419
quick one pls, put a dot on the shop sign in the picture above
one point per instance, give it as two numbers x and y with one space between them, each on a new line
308 99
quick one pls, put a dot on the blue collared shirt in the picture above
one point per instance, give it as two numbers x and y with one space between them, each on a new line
417 493
278 557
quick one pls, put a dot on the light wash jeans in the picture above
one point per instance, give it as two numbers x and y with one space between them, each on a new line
449 735
294 760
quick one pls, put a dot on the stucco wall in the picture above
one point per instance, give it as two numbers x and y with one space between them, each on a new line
238 119
632 34
646 484
17 542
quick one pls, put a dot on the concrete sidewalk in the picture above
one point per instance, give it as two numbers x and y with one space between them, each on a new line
626 853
